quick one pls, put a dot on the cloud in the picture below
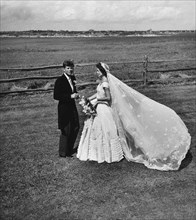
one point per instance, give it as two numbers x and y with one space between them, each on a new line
156 13
61 14
16 12
112 11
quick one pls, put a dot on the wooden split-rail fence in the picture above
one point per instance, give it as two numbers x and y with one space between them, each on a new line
144 80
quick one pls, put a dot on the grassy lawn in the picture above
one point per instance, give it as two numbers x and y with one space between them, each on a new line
37 184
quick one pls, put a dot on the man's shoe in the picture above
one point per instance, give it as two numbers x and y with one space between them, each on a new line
74 150
62 156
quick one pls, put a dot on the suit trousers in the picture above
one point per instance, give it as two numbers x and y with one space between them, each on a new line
68 137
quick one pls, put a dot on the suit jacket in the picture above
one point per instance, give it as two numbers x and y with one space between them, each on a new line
66 106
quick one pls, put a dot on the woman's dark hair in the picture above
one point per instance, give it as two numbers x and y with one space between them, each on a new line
100 67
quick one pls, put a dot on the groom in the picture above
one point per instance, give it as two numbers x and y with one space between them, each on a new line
68 122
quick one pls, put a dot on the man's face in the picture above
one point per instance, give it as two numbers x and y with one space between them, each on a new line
69 70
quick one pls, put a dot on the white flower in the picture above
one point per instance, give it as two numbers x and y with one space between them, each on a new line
88 108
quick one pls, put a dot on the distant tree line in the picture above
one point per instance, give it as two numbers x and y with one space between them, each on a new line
90 32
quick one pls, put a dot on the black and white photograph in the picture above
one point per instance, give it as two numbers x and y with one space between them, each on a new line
98 109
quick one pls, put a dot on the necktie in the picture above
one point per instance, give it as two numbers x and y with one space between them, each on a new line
70 82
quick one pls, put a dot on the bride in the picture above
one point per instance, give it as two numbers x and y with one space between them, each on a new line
131 125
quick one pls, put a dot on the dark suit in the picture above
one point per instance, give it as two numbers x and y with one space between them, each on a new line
68 121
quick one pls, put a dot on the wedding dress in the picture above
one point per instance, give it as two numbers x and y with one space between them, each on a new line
99 140
143 130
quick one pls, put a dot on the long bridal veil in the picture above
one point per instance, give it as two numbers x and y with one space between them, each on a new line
150 133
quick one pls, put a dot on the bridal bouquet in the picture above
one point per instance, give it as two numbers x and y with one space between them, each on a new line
88 107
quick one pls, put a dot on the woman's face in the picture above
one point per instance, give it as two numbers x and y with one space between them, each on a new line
99 73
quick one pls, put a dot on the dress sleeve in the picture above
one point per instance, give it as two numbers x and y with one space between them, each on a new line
105 85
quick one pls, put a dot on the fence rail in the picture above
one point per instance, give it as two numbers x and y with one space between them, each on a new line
51 88
170 70
27 78
89 64
145 72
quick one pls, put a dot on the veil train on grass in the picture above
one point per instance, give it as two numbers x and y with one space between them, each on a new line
150 133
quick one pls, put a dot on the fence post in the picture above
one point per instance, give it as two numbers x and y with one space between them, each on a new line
145 65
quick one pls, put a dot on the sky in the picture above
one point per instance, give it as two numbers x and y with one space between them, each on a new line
83 15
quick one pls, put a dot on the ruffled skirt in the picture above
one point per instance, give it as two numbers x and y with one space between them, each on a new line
99 140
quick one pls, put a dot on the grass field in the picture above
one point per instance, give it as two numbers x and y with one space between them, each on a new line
27 52
37 184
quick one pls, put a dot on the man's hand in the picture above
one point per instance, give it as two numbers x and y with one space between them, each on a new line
75 96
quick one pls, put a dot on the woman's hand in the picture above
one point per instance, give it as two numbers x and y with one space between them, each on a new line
94 102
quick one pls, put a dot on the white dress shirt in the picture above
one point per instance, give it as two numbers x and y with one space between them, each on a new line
70 82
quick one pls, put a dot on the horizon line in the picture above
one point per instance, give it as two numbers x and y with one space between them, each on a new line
96 30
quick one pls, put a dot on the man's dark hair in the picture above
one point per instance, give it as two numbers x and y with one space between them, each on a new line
68 63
